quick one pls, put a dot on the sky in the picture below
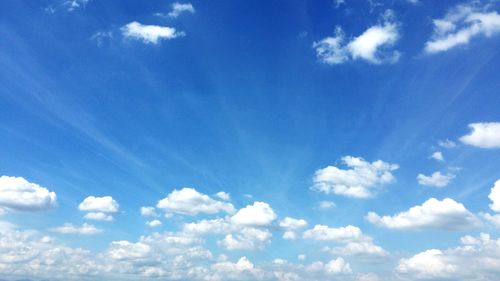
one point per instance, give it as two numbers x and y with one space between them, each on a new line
239 140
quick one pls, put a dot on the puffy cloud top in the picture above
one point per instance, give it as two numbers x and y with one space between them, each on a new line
483 135
149 33
258 214
188 201
105 204
16 193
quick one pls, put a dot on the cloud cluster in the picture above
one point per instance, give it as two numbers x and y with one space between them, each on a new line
360 181
370 46
446 214
99 208
150 34
188 201
436 179
460 25
18 194
180 8
483 135
85 229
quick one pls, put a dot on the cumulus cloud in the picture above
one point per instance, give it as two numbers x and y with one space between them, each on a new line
438 155
291 225
478 258
148 212
446 214
180 8
248 238
342 234
149 33
105 204
326 204
491 219
98 216
257 214
18 194
460 25
334 267
436 179
223 195
188 201
68 228
495 197
483 135
154 223
360 181
370 46
365 249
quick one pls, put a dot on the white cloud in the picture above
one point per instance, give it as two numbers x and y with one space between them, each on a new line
18 194
248 238
124 250
360 181
149 33
148 212
179 8
460 25
483 135
371 45
447 143
98 216
188 201
435 180
223 195
75 4
492 219
326 204
342 234
154 223
105 204
495 197
291 225
432 214
68 228
438 155
334 267
365 248
258 214
427 265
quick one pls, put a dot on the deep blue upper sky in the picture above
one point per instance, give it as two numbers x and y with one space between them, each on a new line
240 99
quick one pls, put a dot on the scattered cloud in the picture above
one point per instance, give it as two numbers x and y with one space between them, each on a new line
477 258
248 238
446 214
342 234
148 212
72 5
326 204
101 36
447 144
365 249
438 155
154 223
491 219
68 228
188 201
495 197
334 267
257 214
18 194
105 204
98 216
460 25
435 180
372 45
291 225
360 181
180 8
483 135
149 34
223 195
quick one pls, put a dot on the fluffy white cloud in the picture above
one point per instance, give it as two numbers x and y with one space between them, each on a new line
68 228
98 216
258 214
188 201
248 238
149 33
223 195
435 180
478 258
432 214
333 267
343 234
18 194
365 248
105 204
460 25
148 212
179 8
438 155
125 250
368 46
291 225
154 223
72 5
492 219
360 181
495 197
483 135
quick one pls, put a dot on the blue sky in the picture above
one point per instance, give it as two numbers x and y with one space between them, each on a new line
249 140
